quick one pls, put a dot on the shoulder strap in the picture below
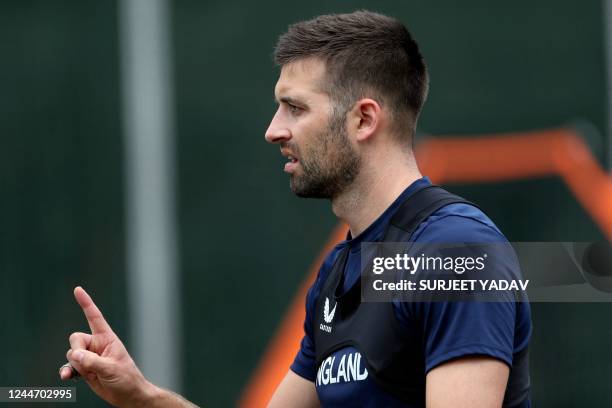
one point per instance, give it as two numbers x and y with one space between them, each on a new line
417 208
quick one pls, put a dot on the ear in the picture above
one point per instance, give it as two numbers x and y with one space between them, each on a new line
365 118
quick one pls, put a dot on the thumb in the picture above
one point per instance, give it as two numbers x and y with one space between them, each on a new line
86 361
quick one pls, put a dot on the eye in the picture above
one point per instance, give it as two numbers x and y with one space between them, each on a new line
294 109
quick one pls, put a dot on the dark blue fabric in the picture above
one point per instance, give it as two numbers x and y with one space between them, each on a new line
451 329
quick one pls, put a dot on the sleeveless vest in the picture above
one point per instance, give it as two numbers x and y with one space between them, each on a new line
394 356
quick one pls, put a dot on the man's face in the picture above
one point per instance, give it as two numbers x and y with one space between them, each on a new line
321 159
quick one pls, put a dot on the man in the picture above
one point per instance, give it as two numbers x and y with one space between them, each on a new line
350 91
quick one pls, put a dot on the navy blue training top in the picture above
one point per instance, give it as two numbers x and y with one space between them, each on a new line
451 329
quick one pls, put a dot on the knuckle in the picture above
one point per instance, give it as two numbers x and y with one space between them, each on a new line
86 363
68 353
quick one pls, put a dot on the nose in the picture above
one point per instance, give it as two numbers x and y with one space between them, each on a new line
277 132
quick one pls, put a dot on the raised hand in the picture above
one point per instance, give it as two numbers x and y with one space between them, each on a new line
103 361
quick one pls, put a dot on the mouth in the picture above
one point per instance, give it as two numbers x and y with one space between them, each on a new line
292 161
291 164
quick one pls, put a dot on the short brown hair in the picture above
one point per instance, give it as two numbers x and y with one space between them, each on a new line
366 55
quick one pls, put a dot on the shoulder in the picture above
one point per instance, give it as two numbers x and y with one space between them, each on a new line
458 223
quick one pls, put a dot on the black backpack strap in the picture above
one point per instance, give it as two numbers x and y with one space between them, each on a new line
417 208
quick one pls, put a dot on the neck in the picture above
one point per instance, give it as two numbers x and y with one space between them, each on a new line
375 188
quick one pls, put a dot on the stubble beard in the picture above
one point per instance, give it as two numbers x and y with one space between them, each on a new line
329 166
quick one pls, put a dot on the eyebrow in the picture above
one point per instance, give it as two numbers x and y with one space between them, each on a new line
289 100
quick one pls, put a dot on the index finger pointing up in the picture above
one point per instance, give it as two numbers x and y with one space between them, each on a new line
94 317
